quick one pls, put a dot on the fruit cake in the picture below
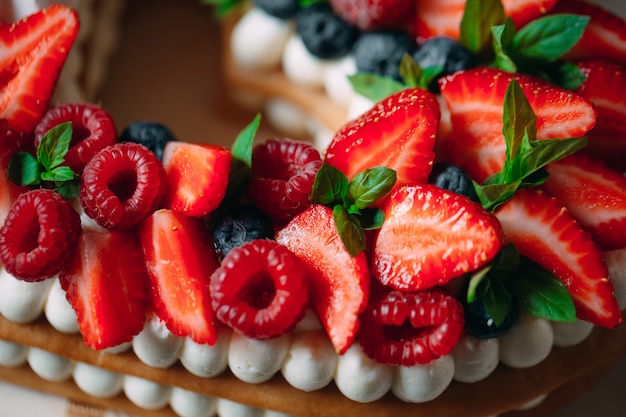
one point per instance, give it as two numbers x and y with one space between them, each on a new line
388 272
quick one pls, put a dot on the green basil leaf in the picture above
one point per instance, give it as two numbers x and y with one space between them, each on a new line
58 174
496 298
502 38
475 279
244 142
561 73
415 76
68 189
370 186
330 186
508 259
54 146
478 18
549 37
518 120
372 218
349 229
24 169
493 195
536 154
374 87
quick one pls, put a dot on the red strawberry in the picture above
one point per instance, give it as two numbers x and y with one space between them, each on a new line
180 260
475 99
339 282
197 177
443 17
594 194
105 282
603 87
374 14
431 236
34 51
605 36
544 231
399 133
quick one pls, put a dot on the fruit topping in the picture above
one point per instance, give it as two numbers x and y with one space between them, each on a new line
451 177
282 9
431 236
152 135
380 52
34 51
240 225
544 231
445 53
180 260
283 172
121 185
93 129
338 281
407 329
373 14
481 325
197 177
39 235
260 289
10 144
106 284
323 33
398 133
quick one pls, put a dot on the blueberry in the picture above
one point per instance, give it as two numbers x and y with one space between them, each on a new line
150 134
451 177
324 34
242 224
281 9
479 324
443 52
380 52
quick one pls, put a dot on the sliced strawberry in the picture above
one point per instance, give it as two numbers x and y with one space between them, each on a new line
339 282
106 284
373 14
443 17
595 195
197 177
399 133
604 87
475 99
544 231
431 236
34 51
180 260
605 36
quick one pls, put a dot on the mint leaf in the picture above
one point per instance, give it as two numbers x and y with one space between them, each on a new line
370 186
58 174
349 229
478 18
24 169
413 75
54 146
374 87
549 37
502 38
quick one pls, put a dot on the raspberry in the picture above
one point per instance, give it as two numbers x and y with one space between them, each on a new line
93 130
260 289
283 172
406 329
122 185
38 235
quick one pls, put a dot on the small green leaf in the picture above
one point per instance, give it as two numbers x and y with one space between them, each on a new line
372 218
243 144
475 279
224 7
549 37
478 18
58 174
370 186
502 39
54 146
415 76
68 189
496 297
518 119
374 87
330 186
349 229
24 169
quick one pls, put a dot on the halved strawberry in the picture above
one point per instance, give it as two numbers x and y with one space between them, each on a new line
399 133
431 236
605 36
443 17
544 231
604 87
106 284
33 53
180 259
475 99
594 194
339 282
197 177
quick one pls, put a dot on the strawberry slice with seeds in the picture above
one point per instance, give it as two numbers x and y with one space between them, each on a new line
399 133
33 53
595 195
604 87
339 282
604 37
475 99
544 231
431 236
105 282
180 259
197 177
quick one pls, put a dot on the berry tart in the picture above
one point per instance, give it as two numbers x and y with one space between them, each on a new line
453 241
